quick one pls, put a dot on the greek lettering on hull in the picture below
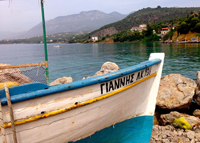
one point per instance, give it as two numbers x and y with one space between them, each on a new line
124 81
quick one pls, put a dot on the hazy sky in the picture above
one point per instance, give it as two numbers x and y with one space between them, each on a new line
22 15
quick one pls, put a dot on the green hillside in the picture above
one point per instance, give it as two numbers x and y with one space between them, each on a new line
151 16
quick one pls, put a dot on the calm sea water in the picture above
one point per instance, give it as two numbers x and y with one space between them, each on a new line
78 60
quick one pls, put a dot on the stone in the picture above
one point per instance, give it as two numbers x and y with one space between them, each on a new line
197 90
165 141
169 118
196 113
62 80
179 133
156 118
175 92
107 67
192 141
197 136
165 134
190 134
198 79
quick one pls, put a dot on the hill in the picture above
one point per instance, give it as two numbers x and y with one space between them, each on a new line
145 15
84 21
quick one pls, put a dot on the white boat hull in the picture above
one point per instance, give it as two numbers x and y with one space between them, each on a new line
93 108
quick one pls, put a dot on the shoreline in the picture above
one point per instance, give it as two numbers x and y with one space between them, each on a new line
177 42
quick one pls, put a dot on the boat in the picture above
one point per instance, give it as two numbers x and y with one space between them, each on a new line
115 107
57 46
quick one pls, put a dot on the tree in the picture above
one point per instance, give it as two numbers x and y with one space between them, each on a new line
158 7
197 27
149 30
183 28
194 21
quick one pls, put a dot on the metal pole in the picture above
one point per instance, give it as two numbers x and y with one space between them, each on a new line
45 43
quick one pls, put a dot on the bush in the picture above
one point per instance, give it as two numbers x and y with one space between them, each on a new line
197 27
183 28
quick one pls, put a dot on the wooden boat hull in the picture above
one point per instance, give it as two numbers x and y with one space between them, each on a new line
116 107
134 130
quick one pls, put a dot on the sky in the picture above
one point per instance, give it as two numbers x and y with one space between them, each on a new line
22 15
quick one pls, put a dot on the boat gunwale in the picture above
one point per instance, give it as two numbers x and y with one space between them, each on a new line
81 83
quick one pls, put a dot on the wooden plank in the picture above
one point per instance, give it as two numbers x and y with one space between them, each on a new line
24 65
11 114
2 125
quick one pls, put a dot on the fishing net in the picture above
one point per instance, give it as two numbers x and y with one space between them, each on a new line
23 74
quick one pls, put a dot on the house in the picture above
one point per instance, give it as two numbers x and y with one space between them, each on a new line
140 28
164 31
94 39
143 25
134 29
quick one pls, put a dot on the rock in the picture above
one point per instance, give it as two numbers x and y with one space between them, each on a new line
170 134
197 136
175 92
169 118
163 134
106 31
62 80
197 90
165 141
156 118
196 113
179 133
190 134
107 67
13 75
198 79
192 141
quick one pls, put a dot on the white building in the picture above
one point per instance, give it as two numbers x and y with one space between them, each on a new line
142 25
165 31
95 39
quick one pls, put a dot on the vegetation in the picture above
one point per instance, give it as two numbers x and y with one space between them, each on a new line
151 16
52 38
191 23
128 36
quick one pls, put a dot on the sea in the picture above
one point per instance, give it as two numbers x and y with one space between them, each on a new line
79 60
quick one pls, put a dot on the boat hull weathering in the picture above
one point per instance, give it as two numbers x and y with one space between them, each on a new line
115 107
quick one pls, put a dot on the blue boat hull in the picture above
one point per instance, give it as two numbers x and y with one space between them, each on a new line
134 130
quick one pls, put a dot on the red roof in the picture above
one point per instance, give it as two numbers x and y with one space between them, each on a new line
165 28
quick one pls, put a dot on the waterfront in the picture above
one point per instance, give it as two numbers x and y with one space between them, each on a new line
78 60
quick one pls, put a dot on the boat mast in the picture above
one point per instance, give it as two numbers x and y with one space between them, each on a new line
45 43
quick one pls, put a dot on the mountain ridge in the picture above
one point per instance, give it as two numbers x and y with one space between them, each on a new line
147 15
84 21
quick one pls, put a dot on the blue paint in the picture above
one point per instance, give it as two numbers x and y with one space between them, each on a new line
135 130
25 88
81 83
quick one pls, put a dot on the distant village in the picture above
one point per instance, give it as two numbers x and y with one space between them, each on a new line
162 32
141 28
